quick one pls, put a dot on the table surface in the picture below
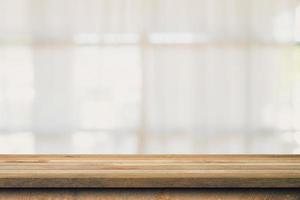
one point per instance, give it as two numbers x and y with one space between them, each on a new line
149 194
150 171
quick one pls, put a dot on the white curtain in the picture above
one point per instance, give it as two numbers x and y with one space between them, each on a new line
149 76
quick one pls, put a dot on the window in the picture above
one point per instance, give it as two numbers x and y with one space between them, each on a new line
159 76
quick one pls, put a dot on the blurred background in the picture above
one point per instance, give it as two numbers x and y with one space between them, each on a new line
150 76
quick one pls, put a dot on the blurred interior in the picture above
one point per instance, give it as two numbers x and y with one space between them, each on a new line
149 76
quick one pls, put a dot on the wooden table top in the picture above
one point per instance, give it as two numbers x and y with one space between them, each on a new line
150 171
149 194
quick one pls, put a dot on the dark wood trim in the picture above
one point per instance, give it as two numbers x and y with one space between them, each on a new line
150 171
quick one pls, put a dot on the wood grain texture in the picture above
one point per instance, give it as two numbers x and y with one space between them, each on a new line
149 194
150 171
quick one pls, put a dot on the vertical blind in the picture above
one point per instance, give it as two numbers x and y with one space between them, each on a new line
149 76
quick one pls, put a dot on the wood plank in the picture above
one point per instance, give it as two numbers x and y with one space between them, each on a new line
149 194
150 171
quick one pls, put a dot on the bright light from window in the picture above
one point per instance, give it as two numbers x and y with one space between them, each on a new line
297 24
